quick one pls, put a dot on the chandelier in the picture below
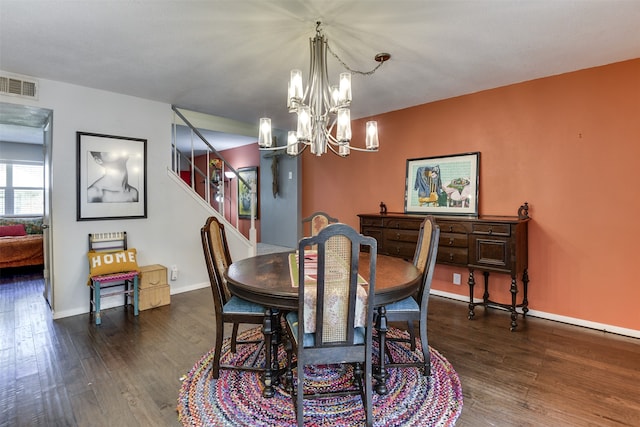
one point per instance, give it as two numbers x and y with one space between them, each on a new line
324 118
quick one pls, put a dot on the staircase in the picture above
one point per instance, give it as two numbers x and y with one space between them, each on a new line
206 174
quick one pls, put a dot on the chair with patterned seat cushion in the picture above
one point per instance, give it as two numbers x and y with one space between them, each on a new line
229 309
113 270
333 324
414 309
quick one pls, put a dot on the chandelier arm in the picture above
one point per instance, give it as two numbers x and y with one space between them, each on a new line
282 147
332 140
333 150
351 147
304 147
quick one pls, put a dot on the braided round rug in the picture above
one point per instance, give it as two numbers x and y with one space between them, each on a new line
235 398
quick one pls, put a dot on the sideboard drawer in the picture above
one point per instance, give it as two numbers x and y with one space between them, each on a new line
453 240
400 243
376 233
400 223
371 222
491 229
451 227
400 235
400 249
454 256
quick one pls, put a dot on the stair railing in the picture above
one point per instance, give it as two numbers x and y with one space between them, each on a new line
213 178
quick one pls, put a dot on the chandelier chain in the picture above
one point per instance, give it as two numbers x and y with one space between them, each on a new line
363 73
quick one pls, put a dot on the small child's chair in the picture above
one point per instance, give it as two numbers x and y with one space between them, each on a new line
113 270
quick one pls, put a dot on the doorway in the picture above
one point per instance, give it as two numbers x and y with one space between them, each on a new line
22 128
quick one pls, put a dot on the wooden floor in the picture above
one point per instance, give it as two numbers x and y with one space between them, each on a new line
127 371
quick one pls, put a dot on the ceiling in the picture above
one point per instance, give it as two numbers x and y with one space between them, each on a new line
231 58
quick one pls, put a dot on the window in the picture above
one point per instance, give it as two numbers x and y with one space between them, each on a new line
21 188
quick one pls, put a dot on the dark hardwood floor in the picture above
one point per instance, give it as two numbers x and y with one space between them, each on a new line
127 371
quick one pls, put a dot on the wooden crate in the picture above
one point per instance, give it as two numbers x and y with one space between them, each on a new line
155 296
152 276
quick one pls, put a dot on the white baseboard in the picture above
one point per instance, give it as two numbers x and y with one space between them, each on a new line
116 301
105 303
69 313
188 288
555 317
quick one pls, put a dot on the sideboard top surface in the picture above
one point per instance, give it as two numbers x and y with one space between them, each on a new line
491 218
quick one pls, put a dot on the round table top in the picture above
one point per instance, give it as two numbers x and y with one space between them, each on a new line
265 280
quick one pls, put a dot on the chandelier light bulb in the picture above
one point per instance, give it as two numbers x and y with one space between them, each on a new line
345 88
296 85
335 97
343 133
292 143
304 124
371 139
264 137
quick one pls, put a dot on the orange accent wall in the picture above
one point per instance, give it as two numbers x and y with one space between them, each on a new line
567 144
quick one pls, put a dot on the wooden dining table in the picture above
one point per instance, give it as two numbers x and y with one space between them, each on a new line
266 280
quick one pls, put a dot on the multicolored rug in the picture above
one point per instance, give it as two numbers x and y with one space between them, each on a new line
235 399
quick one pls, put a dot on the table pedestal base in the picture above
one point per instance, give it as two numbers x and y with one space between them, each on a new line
380 372
272 331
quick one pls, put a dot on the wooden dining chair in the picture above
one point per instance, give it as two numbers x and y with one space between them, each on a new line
228 309
317 221
333 324
414 308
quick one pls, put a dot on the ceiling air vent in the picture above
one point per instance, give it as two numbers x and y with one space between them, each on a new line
18 86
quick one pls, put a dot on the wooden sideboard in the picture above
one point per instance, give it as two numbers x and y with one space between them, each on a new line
486 243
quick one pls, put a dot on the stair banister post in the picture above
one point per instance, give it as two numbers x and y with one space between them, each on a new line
252 231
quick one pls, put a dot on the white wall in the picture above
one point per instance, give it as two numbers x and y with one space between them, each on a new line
170 233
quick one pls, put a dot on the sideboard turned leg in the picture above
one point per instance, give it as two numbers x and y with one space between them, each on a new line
472 305
525 288
514 313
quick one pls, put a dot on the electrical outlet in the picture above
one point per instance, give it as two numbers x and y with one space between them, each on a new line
456 278
174 272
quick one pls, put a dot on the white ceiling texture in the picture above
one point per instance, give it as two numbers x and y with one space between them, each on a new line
231 58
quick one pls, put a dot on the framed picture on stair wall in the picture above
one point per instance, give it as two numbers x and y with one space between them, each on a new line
247 178
446 185
111 177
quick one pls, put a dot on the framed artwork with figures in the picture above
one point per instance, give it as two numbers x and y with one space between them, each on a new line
445 185
247 177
